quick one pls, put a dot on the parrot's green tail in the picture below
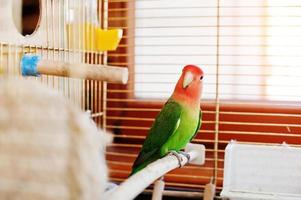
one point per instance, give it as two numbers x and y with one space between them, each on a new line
138 168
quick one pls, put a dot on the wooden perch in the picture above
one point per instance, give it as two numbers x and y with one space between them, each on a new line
32 65
158 189
134 185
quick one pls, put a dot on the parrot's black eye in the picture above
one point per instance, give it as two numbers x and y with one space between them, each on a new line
201 78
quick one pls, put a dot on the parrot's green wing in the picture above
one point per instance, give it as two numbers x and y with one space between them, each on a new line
199 125
165 125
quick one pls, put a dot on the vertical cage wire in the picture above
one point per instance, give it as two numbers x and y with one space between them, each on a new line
217 100
105 19
1 58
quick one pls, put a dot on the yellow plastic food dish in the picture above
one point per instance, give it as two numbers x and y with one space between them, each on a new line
107 40
93 38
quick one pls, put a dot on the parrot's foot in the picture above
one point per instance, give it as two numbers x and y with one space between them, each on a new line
177 155
186 155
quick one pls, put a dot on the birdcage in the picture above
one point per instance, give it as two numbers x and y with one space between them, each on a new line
249 50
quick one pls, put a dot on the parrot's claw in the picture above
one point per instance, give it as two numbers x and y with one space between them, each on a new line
186 155
177 155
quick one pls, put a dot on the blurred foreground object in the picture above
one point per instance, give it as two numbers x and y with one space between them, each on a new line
49 149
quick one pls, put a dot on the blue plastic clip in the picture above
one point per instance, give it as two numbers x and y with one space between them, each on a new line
29 65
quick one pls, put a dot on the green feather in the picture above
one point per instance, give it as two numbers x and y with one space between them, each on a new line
198 126
166 122
173 128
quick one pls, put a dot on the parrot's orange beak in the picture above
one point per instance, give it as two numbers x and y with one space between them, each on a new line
188 78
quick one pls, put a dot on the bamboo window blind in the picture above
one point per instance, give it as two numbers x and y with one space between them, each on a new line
250 51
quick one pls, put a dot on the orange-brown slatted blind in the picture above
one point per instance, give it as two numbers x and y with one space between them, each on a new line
249 51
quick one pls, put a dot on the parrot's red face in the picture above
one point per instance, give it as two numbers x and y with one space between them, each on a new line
190 85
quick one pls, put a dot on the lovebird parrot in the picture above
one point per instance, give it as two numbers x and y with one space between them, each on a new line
178 121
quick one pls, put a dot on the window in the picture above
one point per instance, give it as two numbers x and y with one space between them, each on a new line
254 42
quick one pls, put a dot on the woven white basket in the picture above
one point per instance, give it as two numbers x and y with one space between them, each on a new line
49 149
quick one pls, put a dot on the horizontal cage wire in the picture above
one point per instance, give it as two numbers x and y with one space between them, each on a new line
249 50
